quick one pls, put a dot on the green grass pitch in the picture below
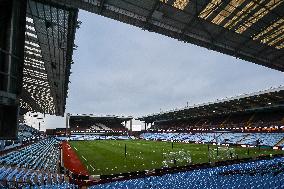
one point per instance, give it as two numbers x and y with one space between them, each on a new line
104 157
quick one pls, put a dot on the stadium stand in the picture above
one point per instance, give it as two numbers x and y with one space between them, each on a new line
92 124
12 177
94 137
257 174
34 166
256 112
43 155
103 127
26 135
9 145
265 139
268 121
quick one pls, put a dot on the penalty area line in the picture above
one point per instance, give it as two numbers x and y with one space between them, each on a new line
84 158
92 167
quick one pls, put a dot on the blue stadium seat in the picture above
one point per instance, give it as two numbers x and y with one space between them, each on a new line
265 174
266 139
34 166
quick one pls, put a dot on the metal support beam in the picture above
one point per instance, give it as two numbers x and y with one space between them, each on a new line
67 125
278 57
155 7
131 125
195 16
102 2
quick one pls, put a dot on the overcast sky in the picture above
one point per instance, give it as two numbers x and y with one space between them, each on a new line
123 70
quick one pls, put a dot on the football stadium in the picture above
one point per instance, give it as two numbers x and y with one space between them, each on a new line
233 142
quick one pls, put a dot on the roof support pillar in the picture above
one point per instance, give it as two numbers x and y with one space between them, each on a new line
131 125
125 124
67 133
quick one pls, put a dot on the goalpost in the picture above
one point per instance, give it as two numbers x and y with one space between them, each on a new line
174 158
221 153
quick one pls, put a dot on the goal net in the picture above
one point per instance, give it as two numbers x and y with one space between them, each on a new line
222 153
176 158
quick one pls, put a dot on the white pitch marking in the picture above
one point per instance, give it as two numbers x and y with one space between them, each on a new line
84 158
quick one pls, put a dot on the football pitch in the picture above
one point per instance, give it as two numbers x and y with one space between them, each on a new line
105 157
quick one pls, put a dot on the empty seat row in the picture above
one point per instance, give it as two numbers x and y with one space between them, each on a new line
43 155
12 177
265 174
267 139
94 137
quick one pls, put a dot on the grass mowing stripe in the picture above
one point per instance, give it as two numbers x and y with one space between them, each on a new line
107 156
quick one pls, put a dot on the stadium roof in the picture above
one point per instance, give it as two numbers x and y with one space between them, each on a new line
251 30
264 100
248 29
49 42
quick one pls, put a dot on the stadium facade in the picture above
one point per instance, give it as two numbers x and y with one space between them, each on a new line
37 42
246 106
